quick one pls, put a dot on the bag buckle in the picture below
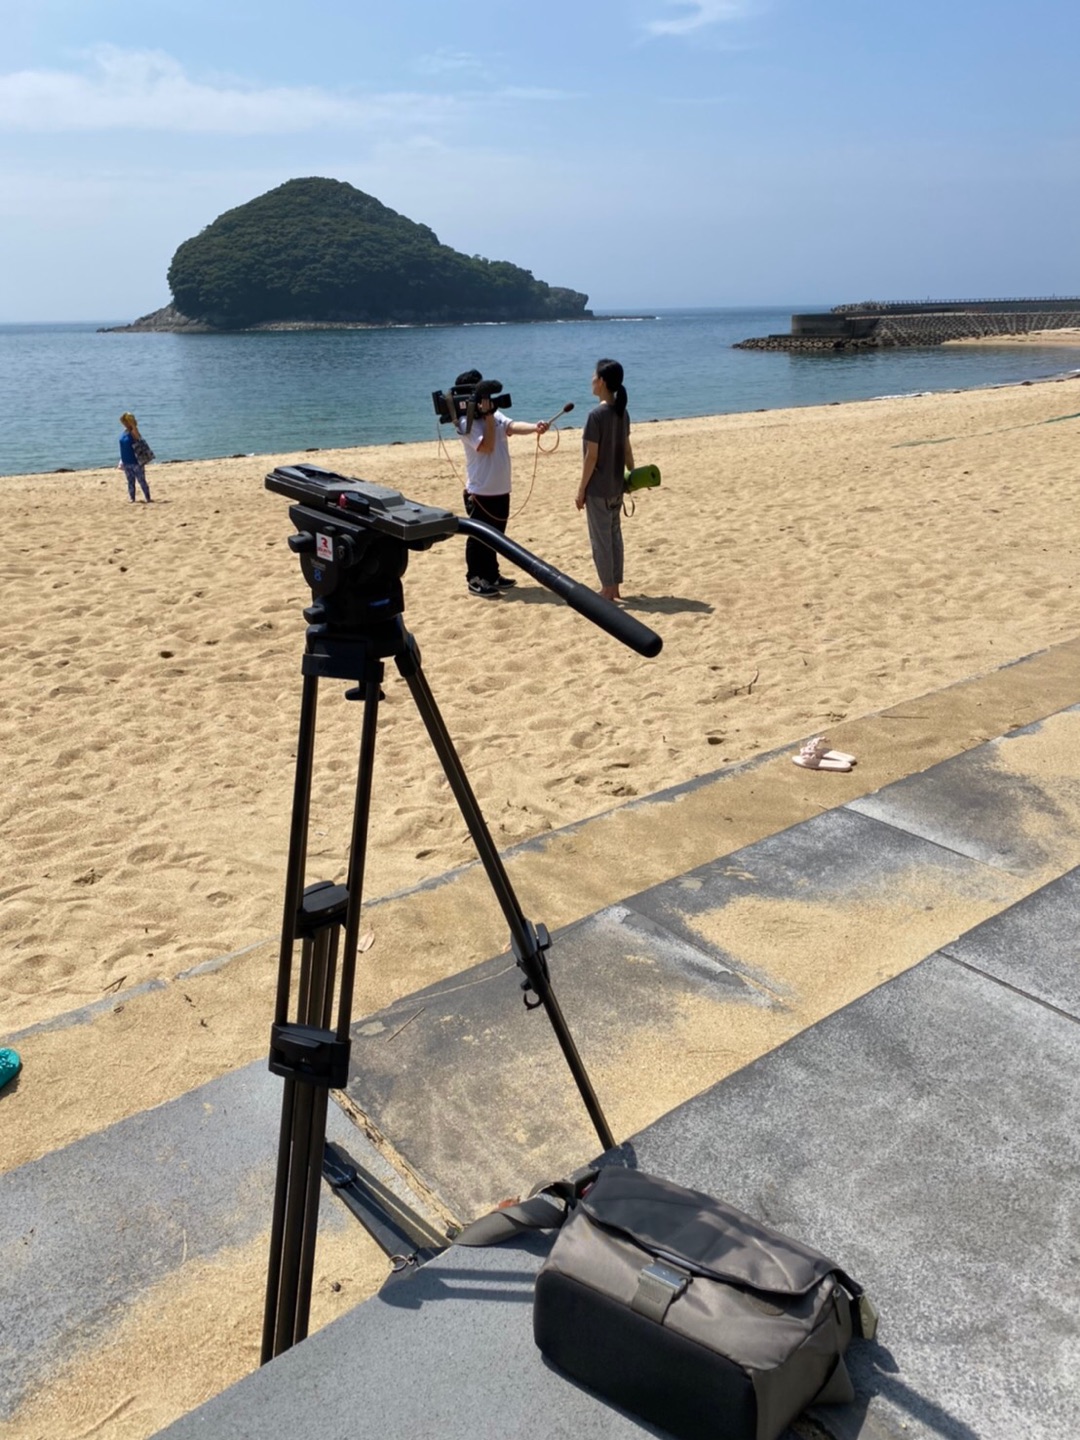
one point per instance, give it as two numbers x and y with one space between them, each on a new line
658 1285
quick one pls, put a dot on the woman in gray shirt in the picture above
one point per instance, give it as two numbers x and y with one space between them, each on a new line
607 455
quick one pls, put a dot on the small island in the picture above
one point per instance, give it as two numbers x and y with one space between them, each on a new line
316 253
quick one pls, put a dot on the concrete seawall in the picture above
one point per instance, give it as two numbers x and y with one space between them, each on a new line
886 326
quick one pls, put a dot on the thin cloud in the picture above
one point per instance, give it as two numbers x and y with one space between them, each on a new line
448 62
695 101
537 93
148 90
702 13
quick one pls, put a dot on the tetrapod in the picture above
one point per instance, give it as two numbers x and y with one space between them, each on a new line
353 540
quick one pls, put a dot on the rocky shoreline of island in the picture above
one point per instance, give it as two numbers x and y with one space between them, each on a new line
169 321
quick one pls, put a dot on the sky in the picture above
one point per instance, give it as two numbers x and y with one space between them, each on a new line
652 153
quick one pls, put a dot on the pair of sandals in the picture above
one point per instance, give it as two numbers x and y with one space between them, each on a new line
816 755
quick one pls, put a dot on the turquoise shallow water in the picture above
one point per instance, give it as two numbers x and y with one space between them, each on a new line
62 387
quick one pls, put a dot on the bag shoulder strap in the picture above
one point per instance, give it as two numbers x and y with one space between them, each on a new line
545 1209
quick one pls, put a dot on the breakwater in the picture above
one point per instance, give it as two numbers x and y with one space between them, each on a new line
875 325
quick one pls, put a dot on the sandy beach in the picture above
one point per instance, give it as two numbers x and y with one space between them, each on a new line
804 567
1066 337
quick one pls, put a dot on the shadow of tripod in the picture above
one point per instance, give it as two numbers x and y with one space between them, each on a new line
353 540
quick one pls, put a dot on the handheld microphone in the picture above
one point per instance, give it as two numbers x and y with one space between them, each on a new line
568 406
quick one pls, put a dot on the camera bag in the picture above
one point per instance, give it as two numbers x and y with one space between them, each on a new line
684 1311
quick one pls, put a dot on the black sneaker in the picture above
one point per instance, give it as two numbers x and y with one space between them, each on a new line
486 589
505 582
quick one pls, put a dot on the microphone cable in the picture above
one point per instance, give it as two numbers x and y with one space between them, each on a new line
542 450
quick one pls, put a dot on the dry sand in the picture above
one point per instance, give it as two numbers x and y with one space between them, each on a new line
804 568
1069 337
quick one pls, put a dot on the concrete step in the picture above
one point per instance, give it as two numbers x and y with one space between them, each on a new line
924 1137
684 982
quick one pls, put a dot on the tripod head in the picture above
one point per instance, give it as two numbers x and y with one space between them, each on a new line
364 507
354 541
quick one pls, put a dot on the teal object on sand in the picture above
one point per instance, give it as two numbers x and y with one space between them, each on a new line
10 1065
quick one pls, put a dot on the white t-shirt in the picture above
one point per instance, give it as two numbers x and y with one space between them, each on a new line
486 474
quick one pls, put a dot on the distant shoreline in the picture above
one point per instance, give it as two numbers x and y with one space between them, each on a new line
279 327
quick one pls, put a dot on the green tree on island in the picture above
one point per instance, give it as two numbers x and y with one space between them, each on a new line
317 251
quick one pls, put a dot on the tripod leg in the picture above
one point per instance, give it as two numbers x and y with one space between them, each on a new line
297 1217
294 880
358 847
315 993
277 1224
298 829
310 1231
527 949
318 914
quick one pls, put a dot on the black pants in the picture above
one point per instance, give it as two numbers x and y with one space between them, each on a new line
481 562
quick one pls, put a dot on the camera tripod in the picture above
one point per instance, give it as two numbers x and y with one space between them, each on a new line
353 543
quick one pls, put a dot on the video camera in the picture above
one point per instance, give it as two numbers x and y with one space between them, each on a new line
462 400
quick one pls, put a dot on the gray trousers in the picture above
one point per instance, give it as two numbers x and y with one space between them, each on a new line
605 537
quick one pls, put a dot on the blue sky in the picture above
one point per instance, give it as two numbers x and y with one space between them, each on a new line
649 152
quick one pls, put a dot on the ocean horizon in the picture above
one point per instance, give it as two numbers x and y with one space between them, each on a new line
63 386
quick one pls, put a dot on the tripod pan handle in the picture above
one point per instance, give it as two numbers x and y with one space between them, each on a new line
608 616
579 597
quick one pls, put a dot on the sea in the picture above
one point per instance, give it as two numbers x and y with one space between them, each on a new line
63 387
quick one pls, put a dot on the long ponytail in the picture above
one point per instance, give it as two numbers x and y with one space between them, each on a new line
611 373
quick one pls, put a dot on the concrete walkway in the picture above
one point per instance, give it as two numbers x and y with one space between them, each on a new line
924 1136
470 1094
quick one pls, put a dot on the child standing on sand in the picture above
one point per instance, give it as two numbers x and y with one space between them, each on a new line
132 446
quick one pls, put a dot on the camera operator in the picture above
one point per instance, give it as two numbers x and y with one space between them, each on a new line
487 483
